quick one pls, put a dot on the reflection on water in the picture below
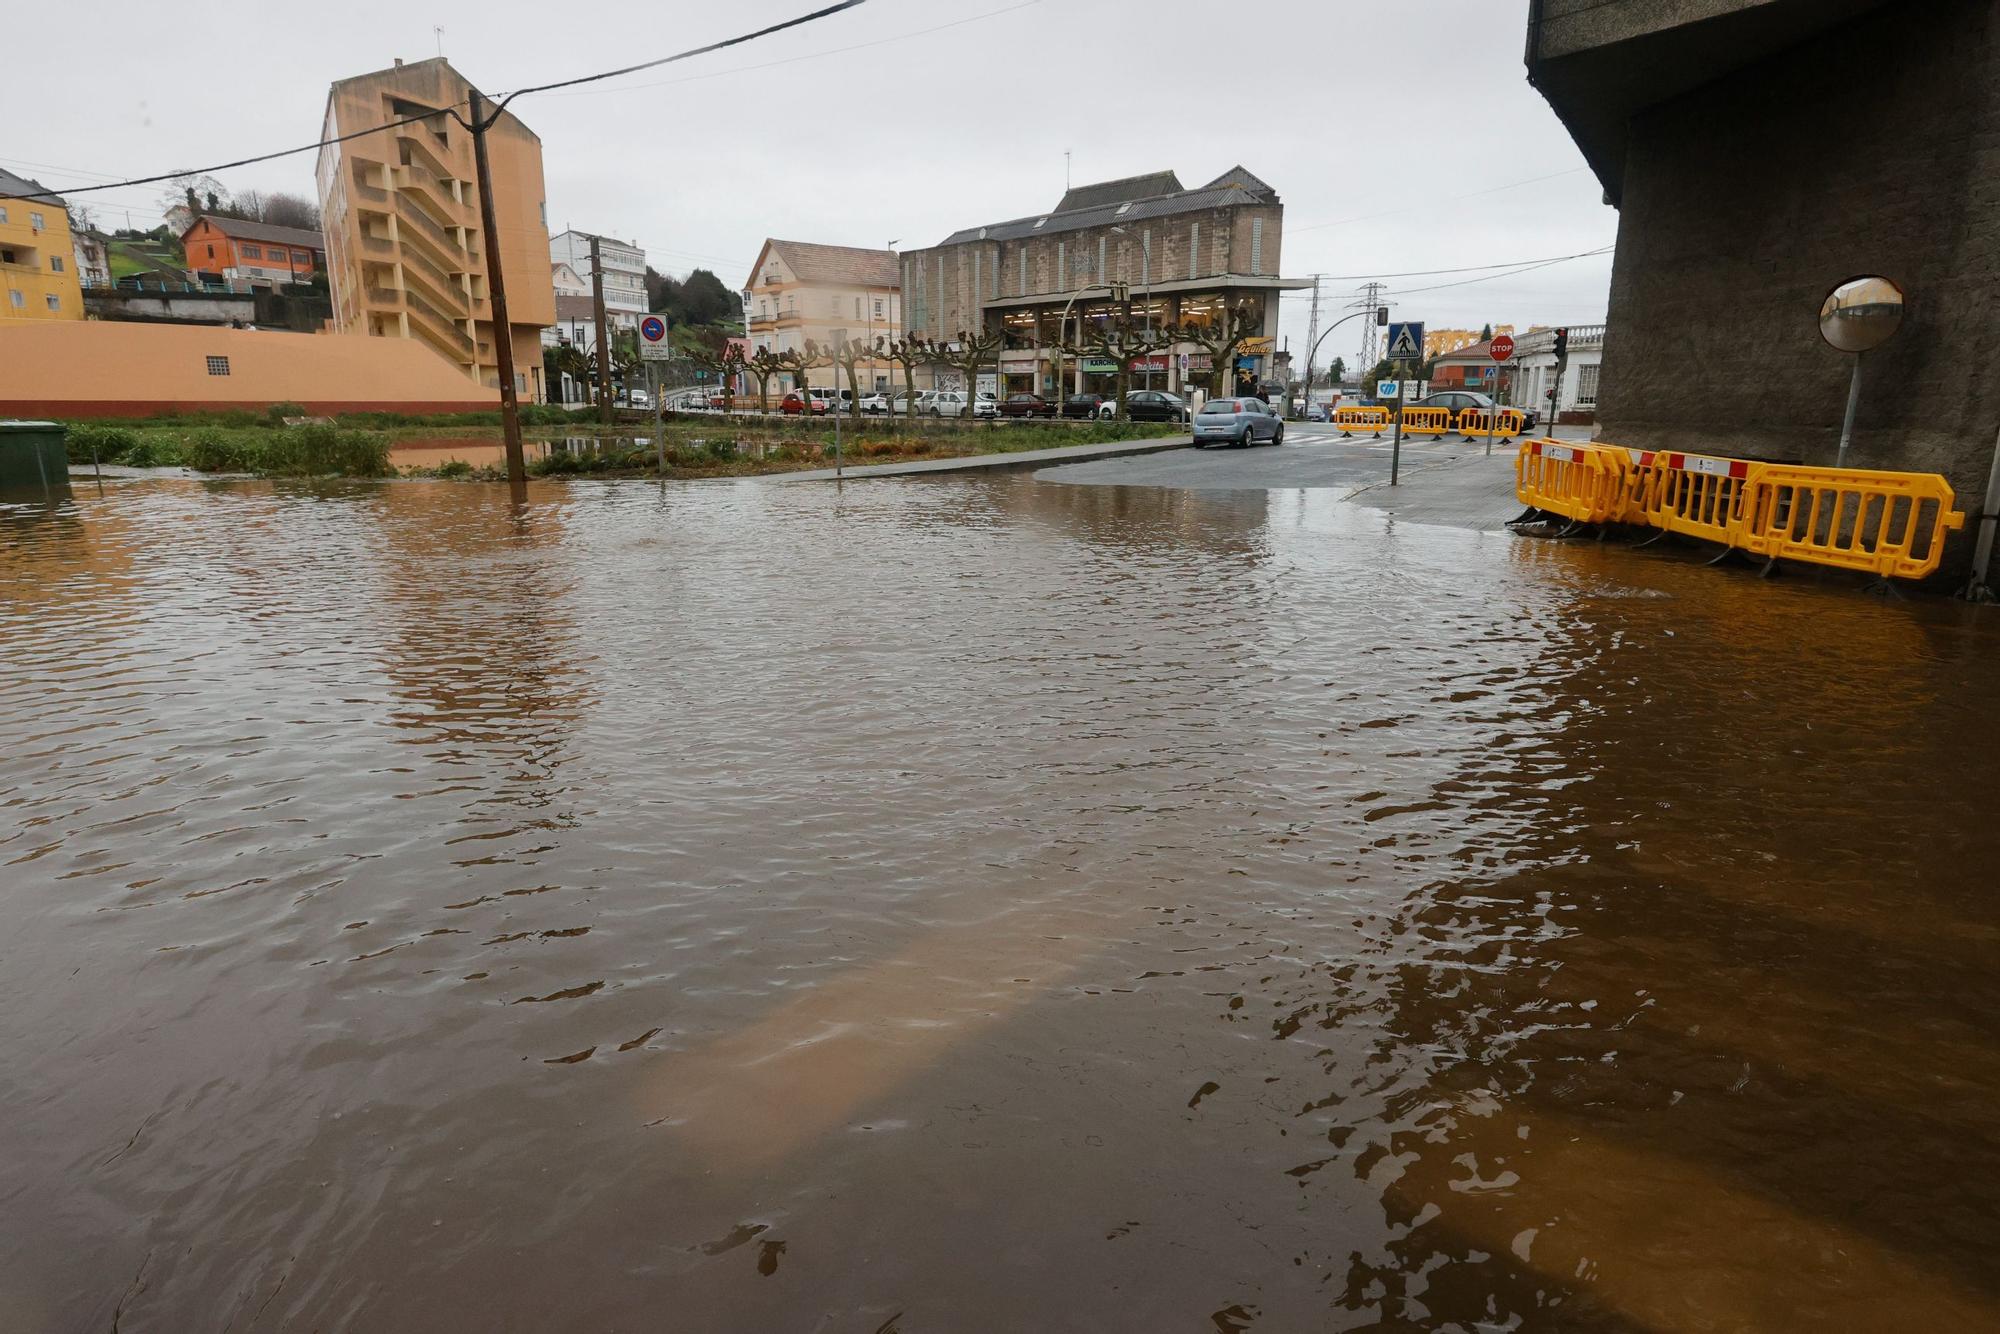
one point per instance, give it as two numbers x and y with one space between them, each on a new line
408 452
975 905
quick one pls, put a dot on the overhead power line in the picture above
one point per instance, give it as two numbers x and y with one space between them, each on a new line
1432 203
1470 268
824 11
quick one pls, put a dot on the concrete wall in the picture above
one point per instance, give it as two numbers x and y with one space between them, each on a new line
218 308
103 369
1872 148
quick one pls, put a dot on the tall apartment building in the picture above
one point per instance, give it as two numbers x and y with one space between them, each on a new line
1187 257
624 274
37 255
405 251
800 292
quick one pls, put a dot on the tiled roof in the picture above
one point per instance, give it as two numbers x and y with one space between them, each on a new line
1242 180
1187 201
836 265
575 307
262 231
10 184
1149 186
1479 351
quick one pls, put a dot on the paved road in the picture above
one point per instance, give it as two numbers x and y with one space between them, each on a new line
1311 456
1448 482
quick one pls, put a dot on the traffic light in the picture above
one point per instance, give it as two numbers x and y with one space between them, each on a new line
1381 314
1562 345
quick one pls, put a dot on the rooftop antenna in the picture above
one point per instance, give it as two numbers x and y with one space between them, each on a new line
440 40
1065 171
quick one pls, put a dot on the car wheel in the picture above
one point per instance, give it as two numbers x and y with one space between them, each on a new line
1278 436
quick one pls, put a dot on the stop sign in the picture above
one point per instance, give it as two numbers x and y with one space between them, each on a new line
1503 347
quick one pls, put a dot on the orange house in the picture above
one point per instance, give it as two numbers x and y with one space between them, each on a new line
256 252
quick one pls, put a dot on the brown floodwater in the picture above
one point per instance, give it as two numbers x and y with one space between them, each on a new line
977 905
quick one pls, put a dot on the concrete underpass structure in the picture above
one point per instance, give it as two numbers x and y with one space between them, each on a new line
1760 152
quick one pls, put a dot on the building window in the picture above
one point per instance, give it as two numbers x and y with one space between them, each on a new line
3 213
218 365
251 251
35 221
55 264
55 302
1194 248
16 298
1256 245
878 307
1100 258
211 252
1586 385
300 257
1024 272
6 257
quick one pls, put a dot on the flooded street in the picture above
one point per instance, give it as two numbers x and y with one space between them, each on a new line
977 905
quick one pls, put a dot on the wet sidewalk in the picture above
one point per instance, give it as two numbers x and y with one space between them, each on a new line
1020 458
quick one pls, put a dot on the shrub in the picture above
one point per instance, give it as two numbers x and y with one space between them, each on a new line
277 412
211 450
108 443
319 450
152 452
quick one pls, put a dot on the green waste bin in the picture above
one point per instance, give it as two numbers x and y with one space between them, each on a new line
32 459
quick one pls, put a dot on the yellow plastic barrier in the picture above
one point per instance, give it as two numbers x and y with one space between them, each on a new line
1885 523
1352 419
1503 423
1426 421
1580 481
1891 524
1700 495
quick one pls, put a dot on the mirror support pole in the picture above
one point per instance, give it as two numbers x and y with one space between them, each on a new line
1847 423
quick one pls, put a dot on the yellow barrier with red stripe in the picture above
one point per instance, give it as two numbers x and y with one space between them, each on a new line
1426 421
1503 423
1352 419
1891 524
1700 495
1580 481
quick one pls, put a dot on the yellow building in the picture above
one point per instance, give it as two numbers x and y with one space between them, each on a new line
405 253
37 254
799 292
1438 342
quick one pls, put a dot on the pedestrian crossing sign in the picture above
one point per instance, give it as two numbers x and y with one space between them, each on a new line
1406 342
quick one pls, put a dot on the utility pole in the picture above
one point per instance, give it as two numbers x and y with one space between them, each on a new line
603 344
496 283
1312 340
1371 301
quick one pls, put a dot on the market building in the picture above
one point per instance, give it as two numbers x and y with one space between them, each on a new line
1176 256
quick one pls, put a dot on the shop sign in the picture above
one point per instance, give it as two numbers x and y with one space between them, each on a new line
1099 366
1196 361
1256 347
1156 362
1018 365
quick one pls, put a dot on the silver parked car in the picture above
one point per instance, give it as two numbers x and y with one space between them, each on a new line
1238 421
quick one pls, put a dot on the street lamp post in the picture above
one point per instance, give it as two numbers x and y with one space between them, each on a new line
1062 330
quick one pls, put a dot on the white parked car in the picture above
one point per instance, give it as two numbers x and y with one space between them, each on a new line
986 406
876 403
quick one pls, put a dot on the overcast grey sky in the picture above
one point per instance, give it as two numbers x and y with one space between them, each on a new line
901 119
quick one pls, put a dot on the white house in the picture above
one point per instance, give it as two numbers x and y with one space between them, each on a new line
624 274
1535 371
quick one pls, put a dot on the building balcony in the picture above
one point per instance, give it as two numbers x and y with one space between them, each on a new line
431 194
425 230
420 148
